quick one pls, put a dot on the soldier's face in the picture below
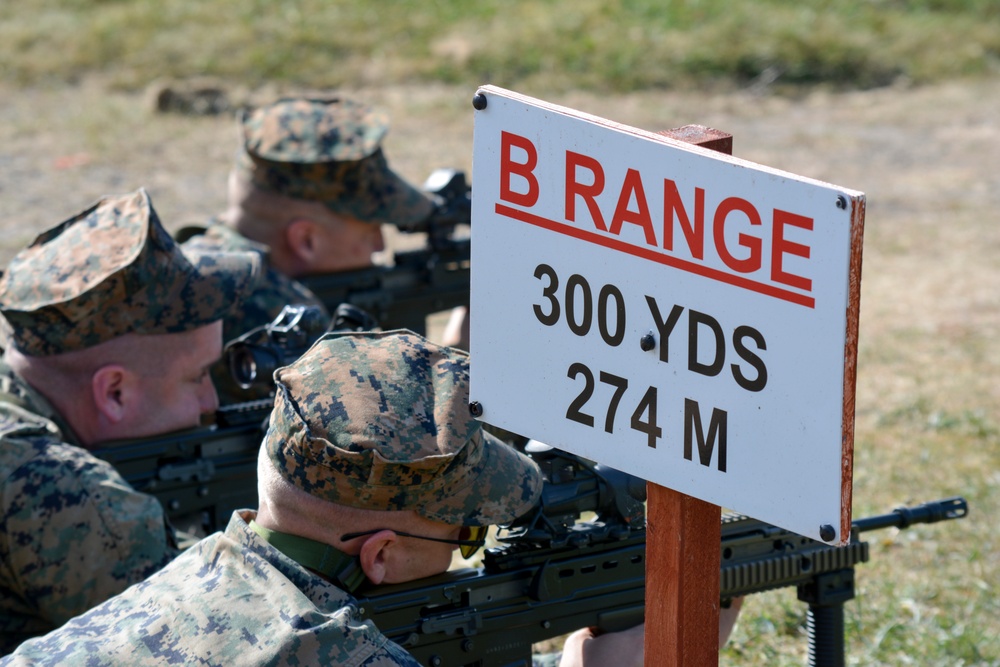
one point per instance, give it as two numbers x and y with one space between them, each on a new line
179 390
346 243
424 558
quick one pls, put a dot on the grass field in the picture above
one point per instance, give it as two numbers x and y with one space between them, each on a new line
802 86
548 45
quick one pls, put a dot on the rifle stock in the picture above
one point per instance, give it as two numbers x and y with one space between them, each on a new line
492 615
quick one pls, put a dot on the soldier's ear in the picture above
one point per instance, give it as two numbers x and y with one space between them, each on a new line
302 238
111 387
376 555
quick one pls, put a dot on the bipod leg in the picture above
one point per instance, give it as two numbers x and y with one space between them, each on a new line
826 595
825 625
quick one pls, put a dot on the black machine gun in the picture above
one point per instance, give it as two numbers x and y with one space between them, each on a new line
554 573
418 282
577 559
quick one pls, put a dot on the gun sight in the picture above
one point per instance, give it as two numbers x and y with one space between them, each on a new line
452 197
253 357
575 486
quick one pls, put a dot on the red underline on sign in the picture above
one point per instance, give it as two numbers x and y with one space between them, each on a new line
652 255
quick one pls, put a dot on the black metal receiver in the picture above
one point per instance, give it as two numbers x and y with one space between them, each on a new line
200 475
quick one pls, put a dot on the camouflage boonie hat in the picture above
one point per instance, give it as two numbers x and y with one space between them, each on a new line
112 270
328 151
381 421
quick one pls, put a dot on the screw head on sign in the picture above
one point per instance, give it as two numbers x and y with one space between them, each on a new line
479 102
827 532
841 201
476 409
647 342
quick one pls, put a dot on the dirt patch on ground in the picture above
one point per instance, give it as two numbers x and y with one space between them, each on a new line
928 160
916 153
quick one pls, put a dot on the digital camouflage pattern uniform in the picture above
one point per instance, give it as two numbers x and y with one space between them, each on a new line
72 531
386 426
60 503
231 599
322 150
374 420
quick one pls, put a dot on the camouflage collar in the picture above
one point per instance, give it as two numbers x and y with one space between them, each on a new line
227 238
15 390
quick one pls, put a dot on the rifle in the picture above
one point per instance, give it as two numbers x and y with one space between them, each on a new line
202 474
554 574
576 560
418 282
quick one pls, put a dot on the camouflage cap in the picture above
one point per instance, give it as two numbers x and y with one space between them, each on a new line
111 270
381 421
329 151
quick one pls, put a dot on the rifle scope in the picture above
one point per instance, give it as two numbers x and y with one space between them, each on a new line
254 356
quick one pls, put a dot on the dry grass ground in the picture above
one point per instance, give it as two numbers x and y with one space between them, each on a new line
928 402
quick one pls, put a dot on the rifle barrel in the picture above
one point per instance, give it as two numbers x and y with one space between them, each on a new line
904 517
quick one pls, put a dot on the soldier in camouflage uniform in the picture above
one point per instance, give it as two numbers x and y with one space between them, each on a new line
108 330
309 191
371 469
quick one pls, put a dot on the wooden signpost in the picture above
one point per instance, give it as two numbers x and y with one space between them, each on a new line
684 566
651 303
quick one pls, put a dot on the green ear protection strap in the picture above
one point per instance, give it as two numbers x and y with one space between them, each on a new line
322 558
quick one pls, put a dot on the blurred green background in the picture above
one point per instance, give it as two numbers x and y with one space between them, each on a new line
544 45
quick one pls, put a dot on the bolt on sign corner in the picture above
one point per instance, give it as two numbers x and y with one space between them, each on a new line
685 316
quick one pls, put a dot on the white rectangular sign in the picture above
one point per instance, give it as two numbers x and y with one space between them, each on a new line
679 314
